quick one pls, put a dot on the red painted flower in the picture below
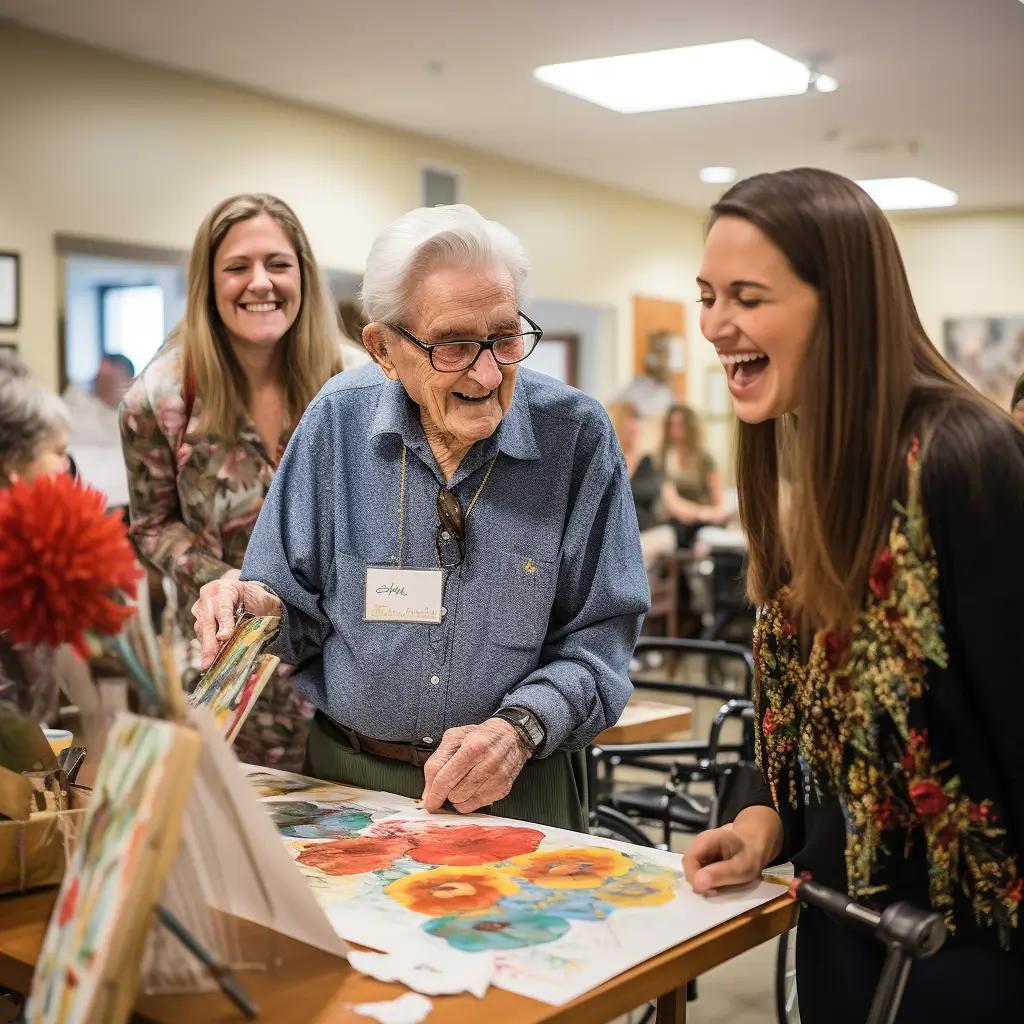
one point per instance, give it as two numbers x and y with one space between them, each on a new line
1015 892
881 575
471 845
768 725
836 647
355 856
62 558
928 798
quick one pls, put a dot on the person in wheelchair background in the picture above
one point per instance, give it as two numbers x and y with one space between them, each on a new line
882 499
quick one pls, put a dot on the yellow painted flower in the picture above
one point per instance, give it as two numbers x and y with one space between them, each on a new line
585 868
640 888
444 891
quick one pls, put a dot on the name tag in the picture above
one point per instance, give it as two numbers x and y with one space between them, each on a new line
403 595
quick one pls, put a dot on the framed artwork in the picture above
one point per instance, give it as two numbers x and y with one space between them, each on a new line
10 285
988 351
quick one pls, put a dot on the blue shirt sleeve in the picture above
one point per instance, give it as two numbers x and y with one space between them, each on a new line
582 684
292 546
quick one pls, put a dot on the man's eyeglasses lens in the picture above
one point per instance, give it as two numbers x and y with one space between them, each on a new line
457 355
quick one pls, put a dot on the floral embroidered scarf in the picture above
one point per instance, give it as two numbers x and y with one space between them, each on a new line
854 712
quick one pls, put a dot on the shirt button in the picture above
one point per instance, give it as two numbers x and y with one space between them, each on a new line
434 680
444 612
446 535
428 740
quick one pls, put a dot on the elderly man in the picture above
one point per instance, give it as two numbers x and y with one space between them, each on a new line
451 544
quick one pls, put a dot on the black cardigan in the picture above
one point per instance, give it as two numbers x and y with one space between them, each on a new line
974 707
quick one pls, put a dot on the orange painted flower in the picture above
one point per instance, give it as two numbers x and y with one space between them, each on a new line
472 845
446 891
585 868
354 856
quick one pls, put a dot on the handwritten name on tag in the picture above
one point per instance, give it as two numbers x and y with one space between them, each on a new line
403 595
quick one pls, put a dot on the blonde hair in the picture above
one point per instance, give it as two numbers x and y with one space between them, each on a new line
694 434
311 352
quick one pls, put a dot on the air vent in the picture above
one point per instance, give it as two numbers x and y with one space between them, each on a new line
439 187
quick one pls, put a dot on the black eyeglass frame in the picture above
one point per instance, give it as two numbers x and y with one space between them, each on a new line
452 522
482 346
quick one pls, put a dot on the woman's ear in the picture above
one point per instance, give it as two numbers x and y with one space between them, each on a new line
375 342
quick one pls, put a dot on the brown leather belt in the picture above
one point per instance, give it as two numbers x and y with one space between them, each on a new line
411 753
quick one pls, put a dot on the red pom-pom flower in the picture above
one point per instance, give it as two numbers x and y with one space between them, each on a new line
63 558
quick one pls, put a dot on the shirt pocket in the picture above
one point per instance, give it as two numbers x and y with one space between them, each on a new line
522 591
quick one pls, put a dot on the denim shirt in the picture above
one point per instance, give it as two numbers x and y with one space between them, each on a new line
542 614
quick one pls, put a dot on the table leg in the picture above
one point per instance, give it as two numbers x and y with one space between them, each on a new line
672 1007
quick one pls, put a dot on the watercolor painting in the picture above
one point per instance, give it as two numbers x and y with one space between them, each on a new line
270 784
559 912
232 684
96 901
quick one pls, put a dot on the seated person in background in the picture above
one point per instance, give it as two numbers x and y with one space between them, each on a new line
95 440
645 481
691 495
1017 402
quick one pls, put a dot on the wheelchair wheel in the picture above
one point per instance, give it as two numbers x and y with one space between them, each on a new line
787 1008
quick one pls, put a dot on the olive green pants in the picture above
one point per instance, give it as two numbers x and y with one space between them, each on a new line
549 791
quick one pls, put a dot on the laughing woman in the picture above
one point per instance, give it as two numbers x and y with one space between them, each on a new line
882 498
204 426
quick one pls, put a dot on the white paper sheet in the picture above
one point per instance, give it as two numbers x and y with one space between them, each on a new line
589 953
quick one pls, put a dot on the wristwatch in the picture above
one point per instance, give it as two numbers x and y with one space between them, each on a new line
526 723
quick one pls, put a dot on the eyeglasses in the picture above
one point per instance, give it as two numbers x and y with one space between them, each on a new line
451 531
456 356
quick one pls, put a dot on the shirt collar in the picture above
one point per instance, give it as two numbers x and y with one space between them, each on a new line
398 414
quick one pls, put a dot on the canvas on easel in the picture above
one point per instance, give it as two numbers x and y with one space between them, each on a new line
172 822
88 967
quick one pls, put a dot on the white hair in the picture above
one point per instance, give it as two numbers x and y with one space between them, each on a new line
29 417
431 237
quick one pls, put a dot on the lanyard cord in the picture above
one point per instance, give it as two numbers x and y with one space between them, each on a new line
401 500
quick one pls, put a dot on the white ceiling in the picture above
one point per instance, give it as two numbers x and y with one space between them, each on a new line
933 88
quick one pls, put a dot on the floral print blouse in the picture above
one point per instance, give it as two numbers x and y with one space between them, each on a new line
194 502
861 719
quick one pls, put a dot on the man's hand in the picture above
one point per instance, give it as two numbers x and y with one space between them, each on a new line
474 766
215 611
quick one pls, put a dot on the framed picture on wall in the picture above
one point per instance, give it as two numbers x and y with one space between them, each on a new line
988 351
9 289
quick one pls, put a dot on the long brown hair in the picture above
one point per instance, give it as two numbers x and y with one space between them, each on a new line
870 379
694 433
310 353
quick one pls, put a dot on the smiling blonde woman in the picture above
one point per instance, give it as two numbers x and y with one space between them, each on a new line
204 426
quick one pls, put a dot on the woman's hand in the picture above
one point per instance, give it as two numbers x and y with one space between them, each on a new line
216 609
474 766
733 854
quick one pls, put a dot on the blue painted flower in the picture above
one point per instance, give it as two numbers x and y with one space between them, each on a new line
304 820
499 928
574 904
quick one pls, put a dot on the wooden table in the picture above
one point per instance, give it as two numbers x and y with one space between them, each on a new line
311 986
645 721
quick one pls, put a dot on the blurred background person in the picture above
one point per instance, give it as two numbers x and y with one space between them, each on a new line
692 489
95 438
205 425
1017 402
657 539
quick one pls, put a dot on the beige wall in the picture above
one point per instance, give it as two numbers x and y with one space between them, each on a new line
963 265
100 146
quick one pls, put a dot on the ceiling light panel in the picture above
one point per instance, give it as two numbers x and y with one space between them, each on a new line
690 76
908 193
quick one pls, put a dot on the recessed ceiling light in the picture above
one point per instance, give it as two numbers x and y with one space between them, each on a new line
908 193
691 76
721 175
